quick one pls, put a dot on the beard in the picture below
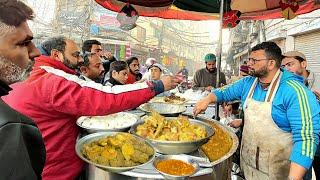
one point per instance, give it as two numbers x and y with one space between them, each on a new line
11 73
135 72
211 70
68 63
259 73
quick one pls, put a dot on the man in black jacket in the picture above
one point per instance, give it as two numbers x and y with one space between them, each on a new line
22 151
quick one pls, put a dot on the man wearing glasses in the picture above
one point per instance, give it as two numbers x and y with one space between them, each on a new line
281 117
54 97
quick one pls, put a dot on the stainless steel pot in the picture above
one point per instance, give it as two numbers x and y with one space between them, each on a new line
178 147
163 108
118 116
96 136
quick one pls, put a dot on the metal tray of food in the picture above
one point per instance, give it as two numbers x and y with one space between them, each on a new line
96 136
118 122
163 108
177 147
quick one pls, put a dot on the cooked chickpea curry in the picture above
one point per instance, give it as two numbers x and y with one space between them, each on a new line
175 167
218 145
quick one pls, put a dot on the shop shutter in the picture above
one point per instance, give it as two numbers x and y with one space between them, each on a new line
309 44
280 43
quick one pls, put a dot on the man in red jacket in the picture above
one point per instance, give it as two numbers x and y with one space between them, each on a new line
54 97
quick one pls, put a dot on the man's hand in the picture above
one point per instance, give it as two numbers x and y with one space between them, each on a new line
203 104
296 171
227 109
170 82
107 54
209 88
236 123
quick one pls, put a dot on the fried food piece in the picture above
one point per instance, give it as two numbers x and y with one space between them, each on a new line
127 151
118 151
102 160
115 142
179 129
109 153
140 157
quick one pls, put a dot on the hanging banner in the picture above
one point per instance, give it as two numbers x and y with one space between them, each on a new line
122 54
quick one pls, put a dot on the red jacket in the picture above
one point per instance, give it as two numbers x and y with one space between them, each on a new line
131 78
54 98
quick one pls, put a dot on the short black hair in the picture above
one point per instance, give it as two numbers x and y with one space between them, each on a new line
58 43
131 59
14 12
300 59
86 60
272 51
118 66
87 45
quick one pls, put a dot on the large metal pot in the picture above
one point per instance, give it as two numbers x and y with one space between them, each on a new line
163 108
178 147
221 167
96 136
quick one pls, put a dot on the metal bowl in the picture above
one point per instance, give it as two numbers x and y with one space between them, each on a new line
178 147
96 136
163 108
114 117
183 158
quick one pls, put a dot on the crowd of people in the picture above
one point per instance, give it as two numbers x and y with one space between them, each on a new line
45 89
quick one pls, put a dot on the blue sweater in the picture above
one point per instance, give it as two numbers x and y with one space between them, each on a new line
294 109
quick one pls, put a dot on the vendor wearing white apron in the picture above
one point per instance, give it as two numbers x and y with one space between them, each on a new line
281 122
265 148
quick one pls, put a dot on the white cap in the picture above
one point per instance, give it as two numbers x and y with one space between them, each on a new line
156 65
150 61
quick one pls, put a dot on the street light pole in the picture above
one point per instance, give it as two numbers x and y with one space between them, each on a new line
219 53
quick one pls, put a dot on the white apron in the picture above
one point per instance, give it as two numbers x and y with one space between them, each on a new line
265 148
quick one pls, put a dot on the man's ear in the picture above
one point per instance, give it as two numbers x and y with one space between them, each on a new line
272 63
304 64
55 54
83 69
113 72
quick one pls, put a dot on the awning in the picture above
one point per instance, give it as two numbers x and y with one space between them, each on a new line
207 9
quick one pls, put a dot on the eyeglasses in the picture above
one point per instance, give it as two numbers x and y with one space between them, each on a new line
256 60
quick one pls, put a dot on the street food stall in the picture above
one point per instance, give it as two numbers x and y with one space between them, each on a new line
212 151
153 136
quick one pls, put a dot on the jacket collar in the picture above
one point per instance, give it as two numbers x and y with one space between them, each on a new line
4 89
114 82
47 61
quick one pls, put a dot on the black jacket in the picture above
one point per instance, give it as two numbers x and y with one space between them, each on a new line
22 151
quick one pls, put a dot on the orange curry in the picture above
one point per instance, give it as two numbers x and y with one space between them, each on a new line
175 167
218 145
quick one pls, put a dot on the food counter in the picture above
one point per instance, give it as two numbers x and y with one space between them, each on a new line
221 166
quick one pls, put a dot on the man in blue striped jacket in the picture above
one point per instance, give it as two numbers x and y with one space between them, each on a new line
281 123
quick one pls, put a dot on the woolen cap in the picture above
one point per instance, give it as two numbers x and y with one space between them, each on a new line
295 54
210 57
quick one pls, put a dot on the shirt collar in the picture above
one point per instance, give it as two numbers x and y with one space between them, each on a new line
4 88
